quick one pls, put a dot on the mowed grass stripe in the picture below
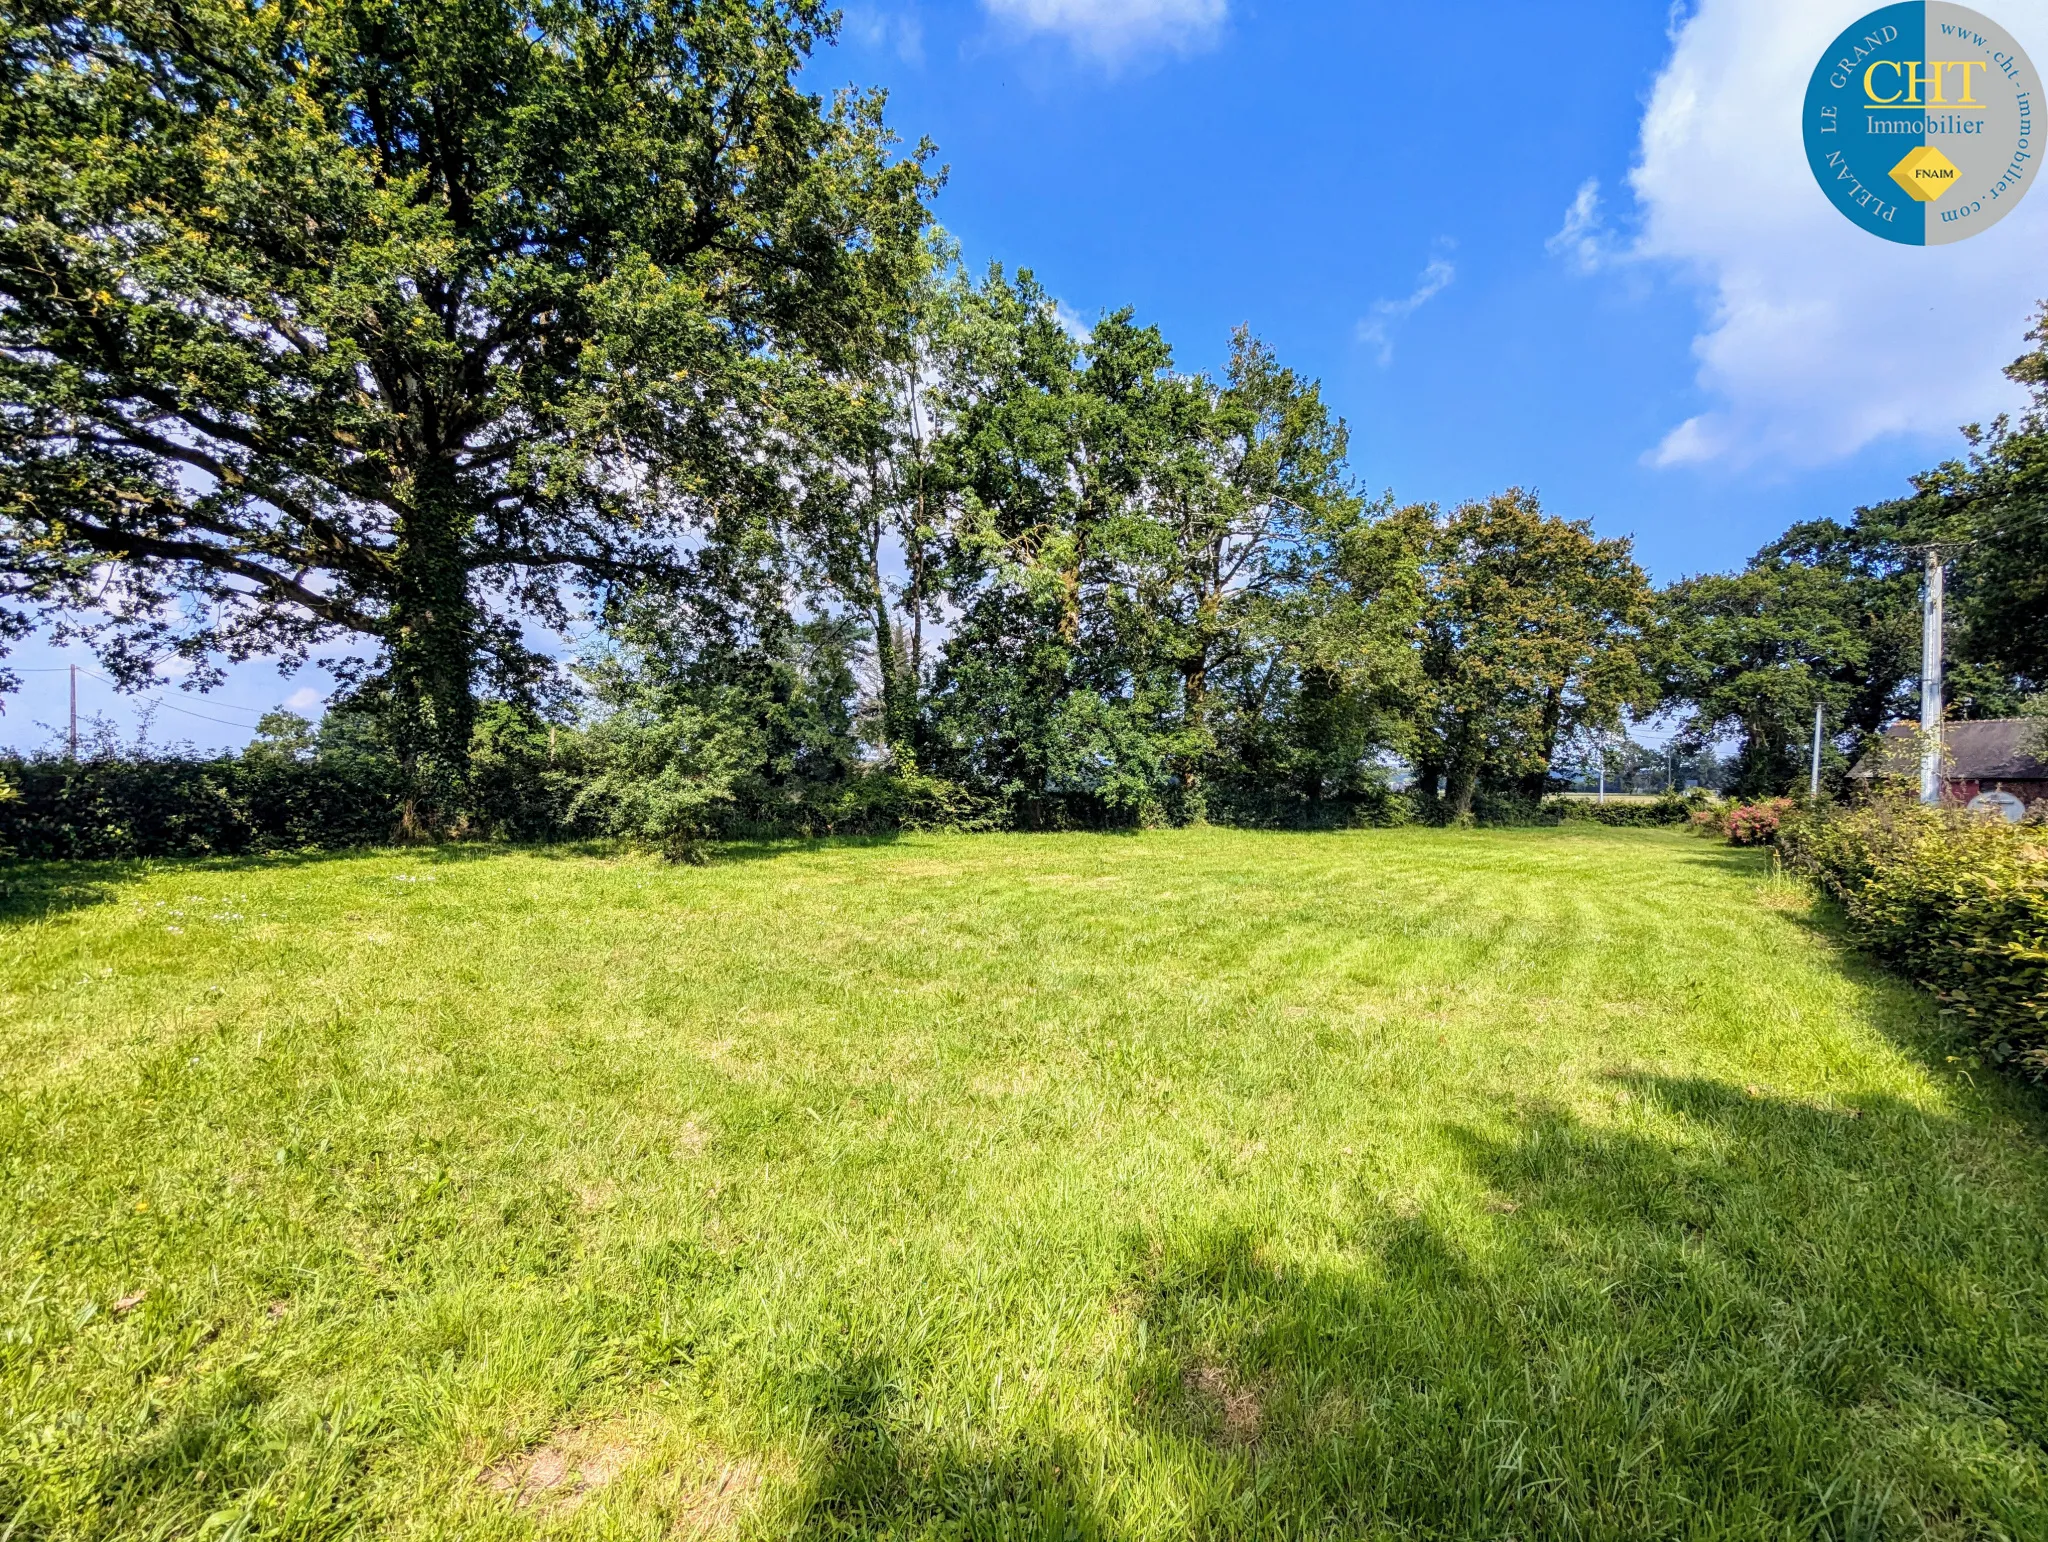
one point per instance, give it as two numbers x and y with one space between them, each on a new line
1403 1184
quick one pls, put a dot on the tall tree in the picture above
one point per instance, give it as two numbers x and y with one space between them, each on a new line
1151 567
1531 631
1050 441
884 417
1823 617
347 320
1318 683
1989 513
1249 496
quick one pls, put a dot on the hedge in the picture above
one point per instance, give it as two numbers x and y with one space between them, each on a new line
1956 901
187 806
1670 809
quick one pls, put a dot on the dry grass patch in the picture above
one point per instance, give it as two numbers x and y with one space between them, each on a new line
557 1476
1233 1409
716 1506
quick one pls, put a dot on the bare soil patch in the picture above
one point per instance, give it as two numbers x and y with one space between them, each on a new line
558 1475
1235 1408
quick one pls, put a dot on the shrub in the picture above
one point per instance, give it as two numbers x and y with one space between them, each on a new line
524 775
1670 809
895 796
1756 824
1957 902
1369 806
293 787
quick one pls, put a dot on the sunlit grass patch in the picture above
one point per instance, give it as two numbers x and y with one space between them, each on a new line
1432 1184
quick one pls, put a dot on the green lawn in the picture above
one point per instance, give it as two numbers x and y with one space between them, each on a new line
1536 1184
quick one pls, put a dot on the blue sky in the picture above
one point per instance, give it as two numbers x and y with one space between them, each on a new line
1574 248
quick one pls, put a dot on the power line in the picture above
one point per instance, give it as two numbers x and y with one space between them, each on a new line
226 706
62 669
158 701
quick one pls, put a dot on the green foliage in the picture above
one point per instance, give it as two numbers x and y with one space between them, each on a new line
341 321
1662 812
715 743
708 730
1531 632
2037 710
1827 615
1989 512
1169 598
1958 902
293 787
524 774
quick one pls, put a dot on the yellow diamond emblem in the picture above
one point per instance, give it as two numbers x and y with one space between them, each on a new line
1925 173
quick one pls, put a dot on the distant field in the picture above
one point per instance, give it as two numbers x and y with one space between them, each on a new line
1615 797
1562 1183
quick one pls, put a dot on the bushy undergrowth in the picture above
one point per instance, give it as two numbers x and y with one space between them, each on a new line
1670 809
289 790
297 790
1958 902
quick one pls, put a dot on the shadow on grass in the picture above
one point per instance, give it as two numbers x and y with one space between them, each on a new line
221 1463
882 1476
1739 861
35 889
1722 1313
39 891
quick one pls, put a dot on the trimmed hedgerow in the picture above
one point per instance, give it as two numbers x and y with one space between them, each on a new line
177 806
1958 902
1670 809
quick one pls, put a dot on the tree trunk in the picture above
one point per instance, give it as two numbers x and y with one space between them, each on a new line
1537 783
887 665
1070 604
1194 798
1464 781
432 643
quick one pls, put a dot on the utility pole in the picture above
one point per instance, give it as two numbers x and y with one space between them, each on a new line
1819 718
74 712
1931 604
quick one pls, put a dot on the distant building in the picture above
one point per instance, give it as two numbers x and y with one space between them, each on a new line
1979 761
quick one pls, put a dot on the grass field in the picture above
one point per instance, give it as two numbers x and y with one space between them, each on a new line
1415 1184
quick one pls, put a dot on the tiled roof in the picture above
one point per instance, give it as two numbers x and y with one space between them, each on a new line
1994 750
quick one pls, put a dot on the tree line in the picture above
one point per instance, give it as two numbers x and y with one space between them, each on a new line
403 336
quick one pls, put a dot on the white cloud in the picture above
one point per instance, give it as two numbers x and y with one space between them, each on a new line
1820 339
1073 323
1111 29
900 31
1583 239
1386 316
304 699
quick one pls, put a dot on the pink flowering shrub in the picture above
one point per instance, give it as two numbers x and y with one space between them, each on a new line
1756 824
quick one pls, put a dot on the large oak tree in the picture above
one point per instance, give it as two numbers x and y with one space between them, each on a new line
364 322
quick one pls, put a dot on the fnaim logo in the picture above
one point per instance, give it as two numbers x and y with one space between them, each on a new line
1922 123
